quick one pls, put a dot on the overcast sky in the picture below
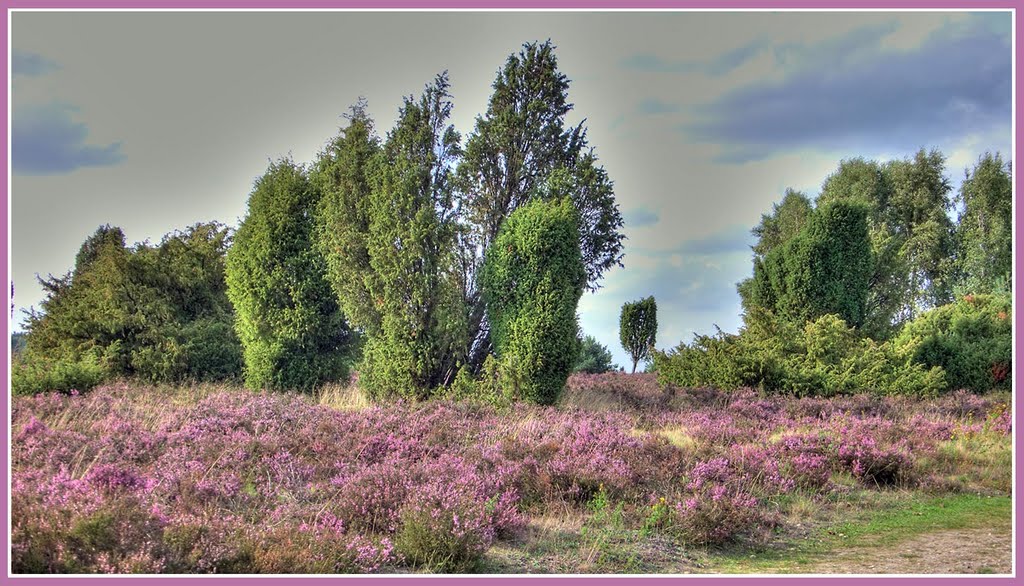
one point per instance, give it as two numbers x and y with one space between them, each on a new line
156 121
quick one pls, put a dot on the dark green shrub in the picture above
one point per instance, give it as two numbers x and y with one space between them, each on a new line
970 339
594 357
30 375
826 268
211 350
532 280
414 311
136 310
292 331
824 358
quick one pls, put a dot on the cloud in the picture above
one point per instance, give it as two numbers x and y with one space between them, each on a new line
31 64
694 293
656 106
715 67
699 274
736 238
46 141
854 95
640 218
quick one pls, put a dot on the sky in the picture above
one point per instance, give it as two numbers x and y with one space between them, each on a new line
157 121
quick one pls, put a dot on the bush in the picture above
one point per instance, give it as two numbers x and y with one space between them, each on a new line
717 508
533 278
594 358
970 339
139 311
825 268
34 375
292 331
824 358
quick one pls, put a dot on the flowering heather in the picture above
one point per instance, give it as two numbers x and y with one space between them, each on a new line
137 480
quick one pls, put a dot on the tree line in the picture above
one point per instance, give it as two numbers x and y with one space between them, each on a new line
437 266
417 257
872 286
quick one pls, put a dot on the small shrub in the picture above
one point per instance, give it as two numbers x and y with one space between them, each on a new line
822 359
970 339
594 358
715 515
31 375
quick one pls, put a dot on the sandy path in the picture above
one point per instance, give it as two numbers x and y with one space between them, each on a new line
960 551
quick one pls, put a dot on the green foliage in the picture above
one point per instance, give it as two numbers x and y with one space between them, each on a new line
825 268
415 279
787 219
594 357
405 226
520 143
293 334
638 328
138 312
18 343
496 385
911 235
824 358
970 339
532 281
436 543
341 175
916 209
521 150
30 375
985 227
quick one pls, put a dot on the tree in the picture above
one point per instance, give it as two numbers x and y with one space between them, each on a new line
341 176
866 182
293 333
158 313
532 279
594 357
405 226
916 211
824 269
911 235
638 327
985 227
788 217
521 150
420 341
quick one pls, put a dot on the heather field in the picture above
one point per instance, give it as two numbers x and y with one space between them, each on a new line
622 476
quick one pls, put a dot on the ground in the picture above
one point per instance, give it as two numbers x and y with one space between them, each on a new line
621 477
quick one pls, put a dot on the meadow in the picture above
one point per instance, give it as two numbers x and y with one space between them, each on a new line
623 475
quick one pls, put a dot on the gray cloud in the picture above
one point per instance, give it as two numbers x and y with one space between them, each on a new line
640 218
851 95
656 106
736 238
31 64
46 141
719 65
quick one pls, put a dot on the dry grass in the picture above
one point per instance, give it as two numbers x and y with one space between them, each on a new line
971 462
343 397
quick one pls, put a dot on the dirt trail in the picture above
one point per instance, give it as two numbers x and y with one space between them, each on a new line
959 551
